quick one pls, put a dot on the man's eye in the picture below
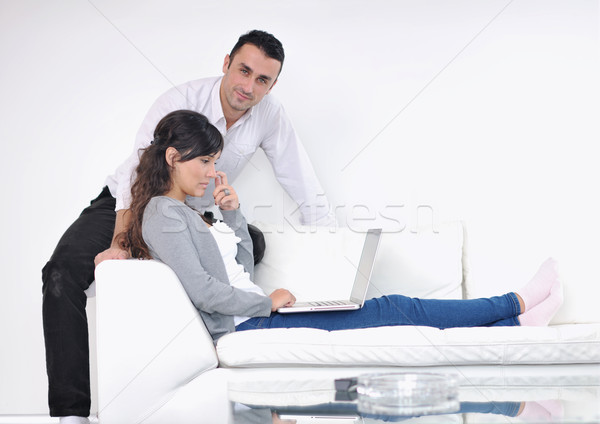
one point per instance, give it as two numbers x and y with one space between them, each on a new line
262 80
244 71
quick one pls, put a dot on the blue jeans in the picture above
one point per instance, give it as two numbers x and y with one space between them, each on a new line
401 310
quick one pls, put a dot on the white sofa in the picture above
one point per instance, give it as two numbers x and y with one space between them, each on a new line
151 342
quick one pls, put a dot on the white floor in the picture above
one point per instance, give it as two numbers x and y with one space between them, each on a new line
33 419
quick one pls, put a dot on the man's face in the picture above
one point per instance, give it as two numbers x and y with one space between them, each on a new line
248 78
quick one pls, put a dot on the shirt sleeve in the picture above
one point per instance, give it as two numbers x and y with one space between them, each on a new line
125 174
294 171
168 234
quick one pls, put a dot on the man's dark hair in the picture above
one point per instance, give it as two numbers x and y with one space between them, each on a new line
266 42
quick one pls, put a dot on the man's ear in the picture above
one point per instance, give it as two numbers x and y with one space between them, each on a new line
226 64
171 155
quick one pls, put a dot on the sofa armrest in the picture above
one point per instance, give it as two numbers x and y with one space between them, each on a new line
150 338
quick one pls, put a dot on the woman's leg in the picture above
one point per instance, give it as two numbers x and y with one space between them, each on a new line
510 409
401 310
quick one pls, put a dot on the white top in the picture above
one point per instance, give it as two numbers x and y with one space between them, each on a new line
238 277
265 125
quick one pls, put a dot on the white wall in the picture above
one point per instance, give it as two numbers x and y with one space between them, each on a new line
487 111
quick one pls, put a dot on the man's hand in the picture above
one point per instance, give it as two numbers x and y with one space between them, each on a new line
111 253
114 252
280 298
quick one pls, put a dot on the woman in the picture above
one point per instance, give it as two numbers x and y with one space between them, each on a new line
214 261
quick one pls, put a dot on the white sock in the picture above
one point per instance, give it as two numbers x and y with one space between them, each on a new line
540 285
541 314
72 419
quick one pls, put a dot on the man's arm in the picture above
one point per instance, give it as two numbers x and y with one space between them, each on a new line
166 103
123 177
294 171
125 174
115 251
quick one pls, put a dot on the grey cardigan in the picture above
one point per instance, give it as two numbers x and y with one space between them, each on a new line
177 236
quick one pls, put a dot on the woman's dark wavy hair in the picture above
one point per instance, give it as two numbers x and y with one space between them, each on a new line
192 135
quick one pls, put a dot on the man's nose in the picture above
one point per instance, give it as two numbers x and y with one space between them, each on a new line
248 85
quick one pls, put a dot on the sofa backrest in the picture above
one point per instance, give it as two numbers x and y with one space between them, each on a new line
319 263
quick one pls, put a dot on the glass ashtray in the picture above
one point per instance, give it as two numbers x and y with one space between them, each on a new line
407 394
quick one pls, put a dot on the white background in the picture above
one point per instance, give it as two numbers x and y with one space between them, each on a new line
487 111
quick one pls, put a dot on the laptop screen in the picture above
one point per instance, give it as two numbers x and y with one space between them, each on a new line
365 266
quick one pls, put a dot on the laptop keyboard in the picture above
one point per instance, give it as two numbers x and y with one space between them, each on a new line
328 303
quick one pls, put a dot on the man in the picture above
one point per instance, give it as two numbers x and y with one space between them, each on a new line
238 105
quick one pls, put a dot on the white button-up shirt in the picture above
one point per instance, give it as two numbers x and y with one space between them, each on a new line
265 125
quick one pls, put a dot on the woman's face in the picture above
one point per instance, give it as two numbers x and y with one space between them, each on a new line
193 176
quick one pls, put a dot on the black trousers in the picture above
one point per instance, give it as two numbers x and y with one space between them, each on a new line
66 276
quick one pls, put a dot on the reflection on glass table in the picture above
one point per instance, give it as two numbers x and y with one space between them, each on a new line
526 412
317 401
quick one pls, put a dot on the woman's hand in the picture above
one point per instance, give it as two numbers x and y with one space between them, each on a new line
225 196
280 298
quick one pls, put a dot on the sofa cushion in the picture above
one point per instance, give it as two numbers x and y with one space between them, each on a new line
319 263
411 346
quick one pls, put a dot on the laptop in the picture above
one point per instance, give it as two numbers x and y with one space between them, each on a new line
361 283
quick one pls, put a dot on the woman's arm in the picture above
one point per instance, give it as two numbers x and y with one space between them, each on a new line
173 232
227 199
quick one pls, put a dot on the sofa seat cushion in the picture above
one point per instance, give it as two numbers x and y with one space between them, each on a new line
411 346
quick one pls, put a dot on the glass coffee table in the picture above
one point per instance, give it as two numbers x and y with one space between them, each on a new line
501 395
485 394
